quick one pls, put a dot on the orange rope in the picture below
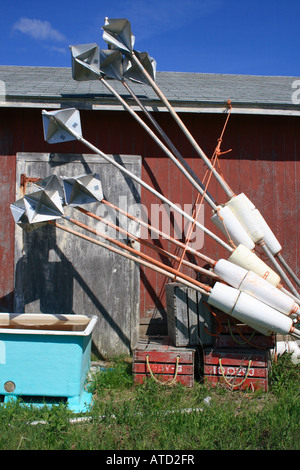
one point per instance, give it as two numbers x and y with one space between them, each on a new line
218 320
214 159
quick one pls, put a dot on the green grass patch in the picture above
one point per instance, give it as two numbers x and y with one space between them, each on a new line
125 416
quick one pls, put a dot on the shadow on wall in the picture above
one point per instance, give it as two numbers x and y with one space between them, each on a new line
45 283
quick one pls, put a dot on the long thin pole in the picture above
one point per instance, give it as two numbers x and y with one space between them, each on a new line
183 166
149 245
207 196
182 126
203 290
135 252
160 233
129 256
288 269
200 152
159 142
145 185
279 269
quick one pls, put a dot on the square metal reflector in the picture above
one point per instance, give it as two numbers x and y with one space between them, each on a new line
111 63
83 189
20 216
85 62
132 71
62 125
52 187
40 207
117 33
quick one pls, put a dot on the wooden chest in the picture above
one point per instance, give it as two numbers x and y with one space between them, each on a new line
189 320
237 369
159 359
229 333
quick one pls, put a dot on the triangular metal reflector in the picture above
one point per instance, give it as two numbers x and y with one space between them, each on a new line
53 188
40 208
83 189
111 63
58 124
132 71
19 214
85 62
117 33
18 211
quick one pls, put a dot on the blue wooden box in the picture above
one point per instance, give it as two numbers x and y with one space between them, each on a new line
45 358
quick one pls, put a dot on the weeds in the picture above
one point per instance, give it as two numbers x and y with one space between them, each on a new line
125 416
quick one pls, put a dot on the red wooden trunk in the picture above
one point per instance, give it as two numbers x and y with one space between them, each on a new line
232 334
233 369
158 358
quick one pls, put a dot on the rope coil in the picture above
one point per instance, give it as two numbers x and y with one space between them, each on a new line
167 383
229 383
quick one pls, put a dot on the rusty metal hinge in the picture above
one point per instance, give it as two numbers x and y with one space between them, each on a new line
27 179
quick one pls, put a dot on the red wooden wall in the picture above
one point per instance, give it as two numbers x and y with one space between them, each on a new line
264 163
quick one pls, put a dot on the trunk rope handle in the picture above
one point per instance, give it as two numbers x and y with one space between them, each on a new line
248 341
244 341
171 382
230 384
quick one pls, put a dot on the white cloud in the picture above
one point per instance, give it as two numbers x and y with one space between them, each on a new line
38 29
149 18
60 50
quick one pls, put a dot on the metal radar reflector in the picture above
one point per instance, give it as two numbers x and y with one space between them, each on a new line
117 33
133 72
111 63
61 125
51 185
83 189
40 207
85 62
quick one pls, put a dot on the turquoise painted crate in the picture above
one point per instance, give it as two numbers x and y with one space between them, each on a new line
45 358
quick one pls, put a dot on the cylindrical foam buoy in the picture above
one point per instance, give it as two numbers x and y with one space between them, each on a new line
231 273
223 297
243 209
269 237
259 316
225 220
290 347
262 290
245 258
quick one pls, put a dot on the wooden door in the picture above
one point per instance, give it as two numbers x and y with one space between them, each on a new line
57 272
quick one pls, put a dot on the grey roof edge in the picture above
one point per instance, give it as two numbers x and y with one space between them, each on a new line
180 107
53 68
53 87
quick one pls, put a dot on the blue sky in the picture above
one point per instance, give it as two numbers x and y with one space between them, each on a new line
257 37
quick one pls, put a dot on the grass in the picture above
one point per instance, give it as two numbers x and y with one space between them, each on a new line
154 417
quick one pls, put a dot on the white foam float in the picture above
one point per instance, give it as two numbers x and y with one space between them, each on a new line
245 258
225 220
269 237
253 222
289 347
252 284
243 209
251 311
